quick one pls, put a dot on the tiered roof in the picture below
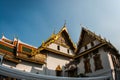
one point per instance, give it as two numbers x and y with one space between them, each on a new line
61 38
87 37
16 51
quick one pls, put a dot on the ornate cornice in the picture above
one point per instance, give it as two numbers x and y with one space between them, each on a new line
12 59
58 52
40 59
90 50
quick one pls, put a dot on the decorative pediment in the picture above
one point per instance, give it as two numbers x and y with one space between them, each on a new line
38 58
61 38
62 41
88 38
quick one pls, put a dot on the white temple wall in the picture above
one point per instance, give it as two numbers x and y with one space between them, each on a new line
105 63
89 46
62 49
53 60
8 64
80 66
26 66
82 49
96 42
111 65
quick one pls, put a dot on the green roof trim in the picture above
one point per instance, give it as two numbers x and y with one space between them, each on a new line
6 48
26 49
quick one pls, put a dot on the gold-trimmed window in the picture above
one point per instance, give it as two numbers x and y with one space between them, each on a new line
87 66
97 62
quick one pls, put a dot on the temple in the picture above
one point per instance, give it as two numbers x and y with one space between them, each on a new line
59 58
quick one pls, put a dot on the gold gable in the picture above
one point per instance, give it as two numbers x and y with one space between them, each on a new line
61 38
61 41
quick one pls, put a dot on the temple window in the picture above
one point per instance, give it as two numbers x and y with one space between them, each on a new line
68 51
95 52
58 47
86 56
97 62
87 66
86 47
92 44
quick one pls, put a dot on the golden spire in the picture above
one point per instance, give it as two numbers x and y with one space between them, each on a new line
16 37
64 24
2 34
43 41
54 31
81 25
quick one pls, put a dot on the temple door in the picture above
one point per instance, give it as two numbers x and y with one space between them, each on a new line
58 71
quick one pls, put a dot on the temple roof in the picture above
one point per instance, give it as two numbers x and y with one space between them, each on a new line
88 36
6 40
16 51
55 37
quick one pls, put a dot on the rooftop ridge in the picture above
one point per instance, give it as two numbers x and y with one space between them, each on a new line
19 41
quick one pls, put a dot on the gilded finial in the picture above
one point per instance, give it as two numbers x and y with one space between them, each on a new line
54 31
2 34
81 25
14 36
65 23
104 38
43 41
17 37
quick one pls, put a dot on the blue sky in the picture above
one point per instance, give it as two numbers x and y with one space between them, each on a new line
35 20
